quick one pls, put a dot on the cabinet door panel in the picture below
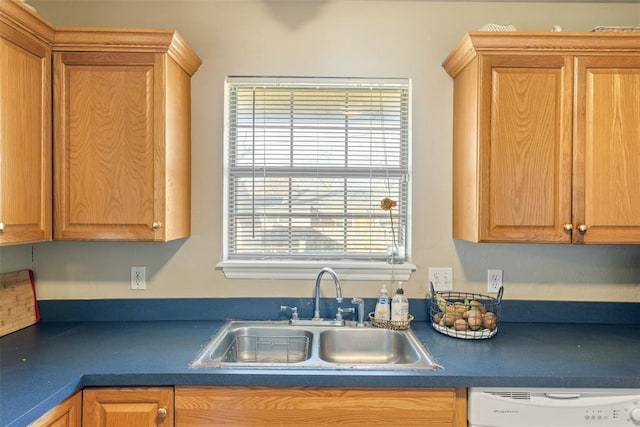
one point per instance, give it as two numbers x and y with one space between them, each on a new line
125 407
67 414
107 107
607 181
525 148
295 406
25 152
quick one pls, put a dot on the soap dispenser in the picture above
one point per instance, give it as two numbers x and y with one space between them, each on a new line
382 306
400 305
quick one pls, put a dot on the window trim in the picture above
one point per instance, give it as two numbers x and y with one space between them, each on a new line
290 269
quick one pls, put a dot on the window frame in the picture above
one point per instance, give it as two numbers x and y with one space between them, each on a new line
348 269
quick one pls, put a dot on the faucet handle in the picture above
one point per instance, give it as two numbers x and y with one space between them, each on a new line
344 310
294 311
360 303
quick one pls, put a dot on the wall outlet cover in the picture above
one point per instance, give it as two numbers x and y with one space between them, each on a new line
494 281
138 277
441 278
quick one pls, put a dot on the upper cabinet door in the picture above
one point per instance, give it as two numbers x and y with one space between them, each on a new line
607 149
109 150
525 148
25 126
122 134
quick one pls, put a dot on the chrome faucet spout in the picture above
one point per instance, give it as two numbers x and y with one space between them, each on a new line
336 281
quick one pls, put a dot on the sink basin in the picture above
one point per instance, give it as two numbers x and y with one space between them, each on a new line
280 345
367 346
263 343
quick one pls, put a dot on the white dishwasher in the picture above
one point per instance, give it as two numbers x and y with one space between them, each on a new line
543 407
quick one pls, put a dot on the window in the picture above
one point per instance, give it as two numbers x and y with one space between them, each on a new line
307 163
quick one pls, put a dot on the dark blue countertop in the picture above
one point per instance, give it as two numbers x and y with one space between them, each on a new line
43 364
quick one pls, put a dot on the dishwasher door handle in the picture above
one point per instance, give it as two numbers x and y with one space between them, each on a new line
563 396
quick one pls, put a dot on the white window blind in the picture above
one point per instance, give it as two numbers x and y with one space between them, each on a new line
308 162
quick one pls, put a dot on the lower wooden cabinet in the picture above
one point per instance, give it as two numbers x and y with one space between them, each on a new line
66 414
259 406
128 407
295 406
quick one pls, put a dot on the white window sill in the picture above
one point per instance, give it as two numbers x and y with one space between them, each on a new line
289 269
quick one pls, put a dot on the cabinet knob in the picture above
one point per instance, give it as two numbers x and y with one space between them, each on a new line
568 228
1 227
156 225
162 412
582 228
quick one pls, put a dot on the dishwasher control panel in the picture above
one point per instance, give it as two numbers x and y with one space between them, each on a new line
531 407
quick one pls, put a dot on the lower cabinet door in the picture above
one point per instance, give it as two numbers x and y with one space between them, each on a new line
297 406
128 407
66 414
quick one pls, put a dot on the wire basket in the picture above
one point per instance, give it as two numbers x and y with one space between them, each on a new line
465 315
398 325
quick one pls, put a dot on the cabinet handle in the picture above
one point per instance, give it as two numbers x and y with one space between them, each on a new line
162 412
582 228
156 225
568 228
1 227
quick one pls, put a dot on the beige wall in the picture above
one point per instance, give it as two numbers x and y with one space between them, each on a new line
385 38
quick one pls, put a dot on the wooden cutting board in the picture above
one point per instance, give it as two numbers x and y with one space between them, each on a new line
18 304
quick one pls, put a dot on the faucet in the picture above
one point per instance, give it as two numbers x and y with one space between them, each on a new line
336 281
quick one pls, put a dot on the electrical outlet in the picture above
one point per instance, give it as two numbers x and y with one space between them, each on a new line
138 277
442 278
494 281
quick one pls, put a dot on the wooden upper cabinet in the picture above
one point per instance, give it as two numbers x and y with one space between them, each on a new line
545 137
525 148
122 134
121 126
607 143
25 125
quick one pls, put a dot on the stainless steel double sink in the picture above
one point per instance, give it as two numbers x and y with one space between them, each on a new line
277 344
